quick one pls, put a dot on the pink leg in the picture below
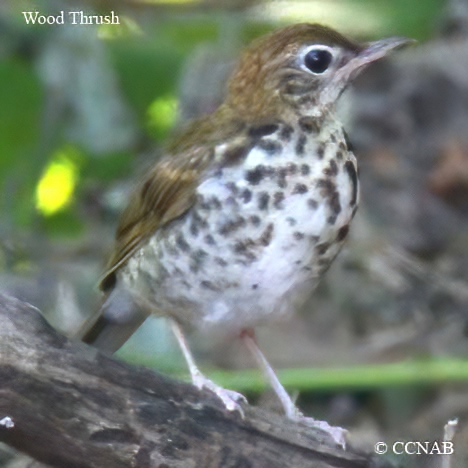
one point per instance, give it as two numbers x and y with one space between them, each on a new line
229 398
289 407
337 433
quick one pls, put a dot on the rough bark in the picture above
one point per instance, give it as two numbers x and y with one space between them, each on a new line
74 407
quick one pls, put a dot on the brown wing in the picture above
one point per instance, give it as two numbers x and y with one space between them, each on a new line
168 190
165 193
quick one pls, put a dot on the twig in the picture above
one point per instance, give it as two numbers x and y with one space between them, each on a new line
67 405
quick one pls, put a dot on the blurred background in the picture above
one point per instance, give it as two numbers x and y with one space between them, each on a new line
381 348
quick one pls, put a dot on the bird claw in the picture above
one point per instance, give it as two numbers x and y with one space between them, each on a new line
338 434
230 398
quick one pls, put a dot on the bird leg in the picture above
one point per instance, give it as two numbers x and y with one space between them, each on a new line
338 434
229 398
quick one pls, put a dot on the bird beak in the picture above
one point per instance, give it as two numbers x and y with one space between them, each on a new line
369 53
378 49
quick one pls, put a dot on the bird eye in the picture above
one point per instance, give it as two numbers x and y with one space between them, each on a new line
317 60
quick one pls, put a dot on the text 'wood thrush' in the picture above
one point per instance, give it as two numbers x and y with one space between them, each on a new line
237 223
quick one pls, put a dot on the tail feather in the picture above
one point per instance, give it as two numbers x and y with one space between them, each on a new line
114 323
109 336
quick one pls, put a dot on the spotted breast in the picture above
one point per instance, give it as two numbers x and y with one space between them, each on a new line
261 232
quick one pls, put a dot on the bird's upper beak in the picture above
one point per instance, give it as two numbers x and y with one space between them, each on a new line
369 53
378 49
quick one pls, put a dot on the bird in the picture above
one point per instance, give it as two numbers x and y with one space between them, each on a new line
234 226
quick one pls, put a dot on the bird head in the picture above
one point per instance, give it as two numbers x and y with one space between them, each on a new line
303 68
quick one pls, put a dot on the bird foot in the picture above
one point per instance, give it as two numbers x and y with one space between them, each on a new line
230 398
338 434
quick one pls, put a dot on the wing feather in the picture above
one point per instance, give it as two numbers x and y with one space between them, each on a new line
169 188
166 193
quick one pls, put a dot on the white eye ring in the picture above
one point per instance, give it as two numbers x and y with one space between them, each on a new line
316 59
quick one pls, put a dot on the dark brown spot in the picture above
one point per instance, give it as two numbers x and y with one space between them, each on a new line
197 259
291 168
209 285
232 187
232 225
271 147
182 243
312 204
328 190
194 229
349 145
207 203
291 221
209 239
331 220
267 235
231 201
305 169
320 151
282 177
309 125
255 176
351 170
244 248
204 205
171 249
335 204
339 155
300 144
332 170
342 232
215 203
270 171
286 132
314 239
249 257
246 195
298 235
263 199
234 155
300 189
255 220
220 261
262 130
333 138
278 198
239 247
196 218
254 286
322 248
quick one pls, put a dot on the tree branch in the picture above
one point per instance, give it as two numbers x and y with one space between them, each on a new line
73 407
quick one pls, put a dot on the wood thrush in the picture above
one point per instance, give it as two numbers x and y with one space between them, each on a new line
237 223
